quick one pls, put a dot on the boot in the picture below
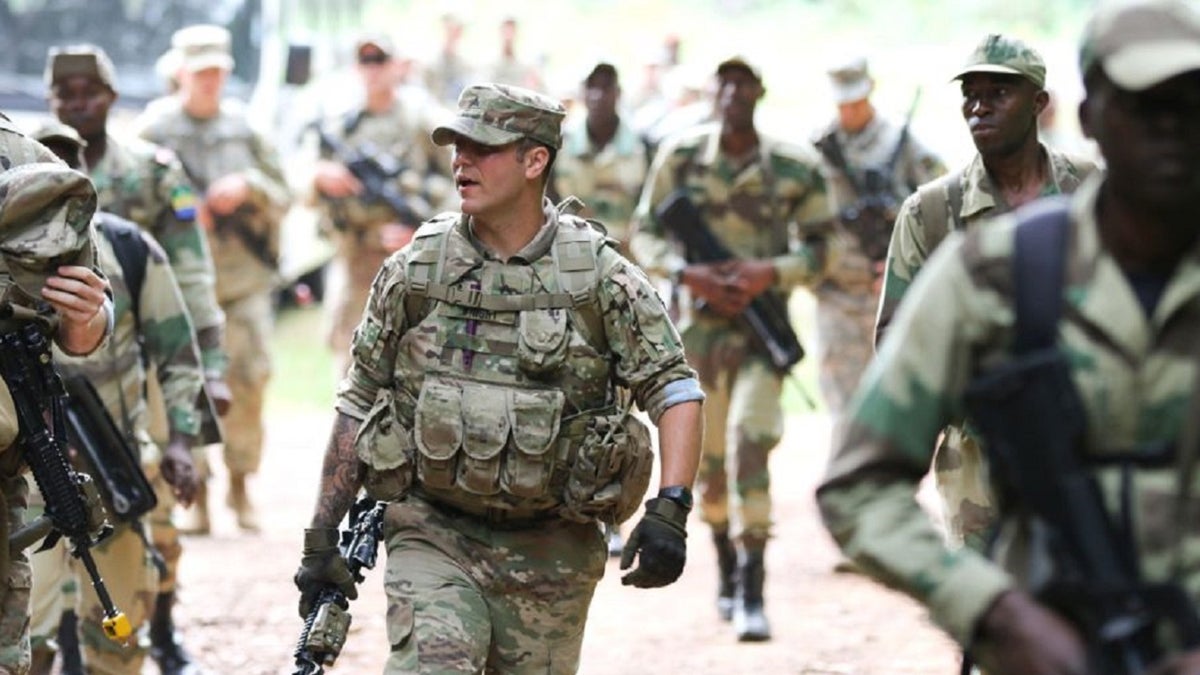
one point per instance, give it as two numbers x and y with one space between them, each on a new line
199 523
726 574
749 621
165 647
68 644
239 500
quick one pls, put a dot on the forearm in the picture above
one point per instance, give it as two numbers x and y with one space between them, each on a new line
341 474
680 430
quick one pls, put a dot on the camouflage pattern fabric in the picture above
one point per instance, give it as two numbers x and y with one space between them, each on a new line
211 149
401 135
1003 54
543 371
145 183
608 180
498 114
447 75
506 584
1136 380
248 327
847 300
15 573
960 470
774 206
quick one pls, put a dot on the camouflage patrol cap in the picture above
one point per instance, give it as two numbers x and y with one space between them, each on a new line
499 114
1002 54
84 59
45 219
53 130
1140 44
851 80
203 46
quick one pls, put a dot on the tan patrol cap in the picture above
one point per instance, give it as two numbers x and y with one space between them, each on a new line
203 46
851 80
499 114
84 59
1140 44
742 63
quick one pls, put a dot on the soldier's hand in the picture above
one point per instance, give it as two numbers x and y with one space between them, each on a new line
321 567
220 393
719 291
750 277
227 193
77 294
333 179
179 470
1018 636
1187 663
660 543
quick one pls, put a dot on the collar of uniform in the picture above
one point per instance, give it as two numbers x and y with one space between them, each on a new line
711 149
536 248
577 143
979 192
865 136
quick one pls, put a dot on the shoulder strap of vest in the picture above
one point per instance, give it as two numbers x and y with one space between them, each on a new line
940 200
132 254
1039 266
425 264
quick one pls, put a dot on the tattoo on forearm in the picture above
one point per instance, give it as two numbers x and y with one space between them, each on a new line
341 474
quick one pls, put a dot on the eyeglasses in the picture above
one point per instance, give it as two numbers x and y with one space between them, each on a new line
373 58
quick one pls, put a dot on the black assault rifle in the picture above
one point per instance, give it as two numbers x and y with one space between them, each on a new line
328 622
73 508
376 171
766 317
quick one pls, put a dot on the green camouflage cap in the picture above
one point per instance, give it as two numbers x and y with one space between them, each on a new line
1140 44
499 114
86 60
1003 54
45 222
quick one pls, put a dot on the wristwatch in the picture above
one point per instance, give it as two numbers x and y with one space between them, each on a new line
680 494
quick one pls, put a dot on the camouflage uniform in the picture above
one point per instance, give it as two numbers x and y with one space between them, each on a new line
212 149
847 300
608 180
162 332
764 210
1136 379
960 470
492 562
401 134
73 206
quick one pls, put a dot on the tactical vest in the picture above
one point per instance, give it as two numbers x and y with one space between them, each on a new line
503 404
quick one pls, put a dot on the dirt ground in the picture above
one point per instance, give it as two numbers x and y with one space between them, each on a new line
238 605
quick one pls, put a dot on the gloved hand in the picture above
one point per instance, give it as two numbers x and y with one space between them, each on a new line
321 567
660 542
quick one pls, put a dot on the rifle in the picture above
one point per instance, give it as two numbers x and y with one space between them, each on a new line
766 317
328 622
1033 423
376 171
258 244
73 507
871 217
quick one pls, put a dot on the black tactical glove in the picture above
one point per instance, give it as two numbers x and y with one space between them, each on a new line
660 541
321 567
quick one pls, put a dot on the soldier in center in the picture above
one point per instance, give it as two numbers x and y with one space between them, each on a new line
766 202
489 401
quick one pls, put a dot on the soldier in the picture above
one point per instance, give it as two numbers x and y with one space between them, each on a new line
1002 95
370 221
39 195
472 361
766 202
509 68
152 326
873 163
1113 298
603 162
449 72
244 196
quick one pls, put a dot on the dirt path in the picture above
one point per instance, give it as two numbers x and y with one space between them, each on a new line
239 606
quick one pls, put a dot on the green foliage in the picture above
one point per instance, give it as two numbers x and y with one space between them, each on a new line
302 378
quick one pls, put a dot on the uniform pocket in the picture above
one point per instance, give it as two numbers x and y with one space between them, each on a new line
486 429
386 447
534 416
542 341
438 431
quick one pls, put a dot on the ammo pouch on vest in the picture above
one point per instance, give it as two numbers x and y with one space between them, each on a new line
386 447
610 470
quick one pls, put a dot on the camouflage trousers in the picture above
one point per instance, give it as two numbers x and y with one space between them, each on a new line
743 422
845 341
968 503
466 598
17 580
61 583
248 325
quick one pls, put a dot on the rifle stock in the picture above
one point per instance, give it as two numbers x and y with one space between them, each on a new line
766 317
